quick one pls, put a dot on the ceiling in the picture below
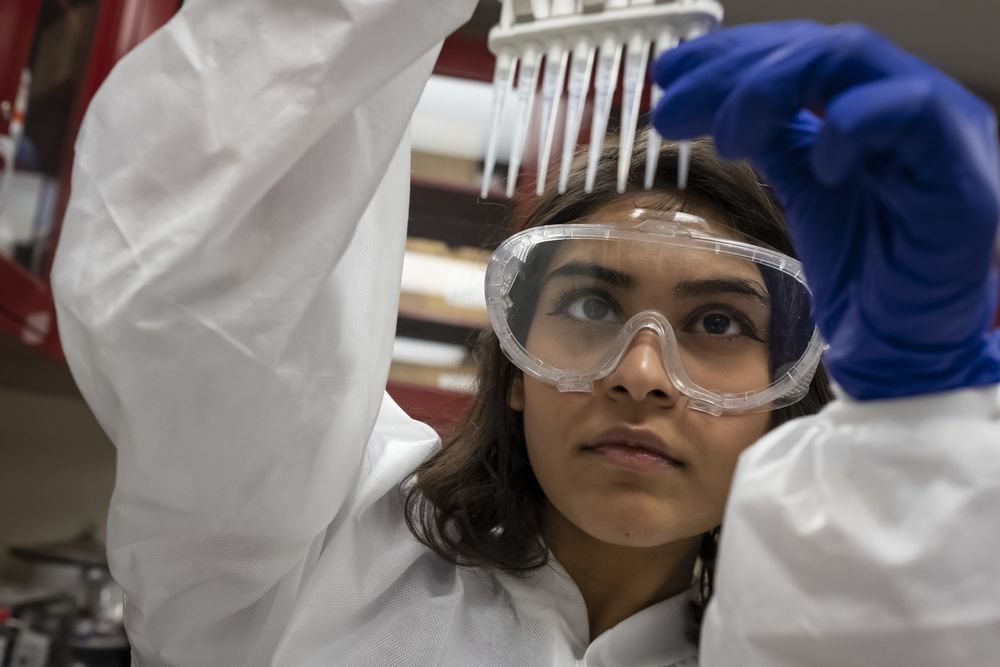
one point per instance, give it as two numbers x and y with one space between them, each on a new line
961 37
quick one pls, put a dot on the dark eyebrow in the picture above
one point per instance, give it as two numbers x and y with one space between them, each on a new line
612 277
692 288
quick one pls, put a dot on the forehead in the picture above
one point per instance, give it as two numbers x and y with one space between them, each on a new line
619 211
654 261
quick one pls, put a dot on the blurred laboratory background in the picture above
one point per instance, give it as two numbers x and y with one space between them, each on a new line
58 605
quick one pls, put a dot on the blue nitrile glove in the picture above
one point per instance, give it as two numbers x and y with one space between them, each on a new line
890 176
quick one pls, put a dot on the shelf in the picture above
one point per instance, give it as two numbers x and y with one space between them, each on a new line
437 330
456 216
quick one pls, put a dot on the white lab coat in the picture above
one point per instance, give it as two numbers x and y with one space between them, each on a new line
227 282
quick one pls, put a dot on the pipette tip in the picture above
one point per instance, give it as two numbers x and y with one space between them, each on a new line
653 143
683 162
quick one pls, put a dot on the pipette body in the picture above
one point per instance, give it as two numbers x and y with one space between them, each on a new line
573 44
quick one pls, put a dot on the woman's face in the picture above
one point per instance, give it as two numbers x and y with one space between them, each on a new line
582 446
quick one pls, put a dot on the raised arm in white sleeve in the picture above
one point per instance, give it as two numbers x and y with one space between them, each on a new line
227 283
865 535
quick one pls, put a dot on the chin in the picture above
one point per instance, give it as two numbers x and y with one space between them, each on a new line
637 522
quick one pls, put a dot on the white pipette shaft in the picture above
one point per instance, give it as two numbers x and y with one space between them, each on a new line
684 147
552 85
636 60
683 163
665 42
579 83
503 79
527 82
606 82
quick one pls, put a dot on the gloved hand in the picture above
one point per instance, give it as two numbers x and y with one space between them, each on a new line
890 176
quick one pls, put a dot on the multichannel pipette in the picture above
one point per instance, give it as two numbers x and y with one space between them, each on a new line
539 36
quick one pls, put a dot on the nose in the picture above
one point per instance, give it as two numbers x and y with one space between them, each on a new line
641 374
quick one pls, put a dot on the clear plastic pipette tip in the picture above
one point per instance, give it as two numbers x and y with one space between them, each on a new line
635 76
552 84
604 90
653 143
666 42
503 79
579 83
527 82
683 162
684 147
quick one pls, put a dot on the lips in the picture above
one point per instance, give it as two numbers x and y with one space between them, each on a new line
636 445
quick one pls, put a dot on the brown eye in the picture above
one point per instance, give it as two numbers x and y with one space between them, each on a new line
591 308
594 309
719 324
587 306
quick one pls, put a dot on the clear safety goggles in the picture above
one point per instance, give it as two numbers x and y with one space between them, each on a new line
732 320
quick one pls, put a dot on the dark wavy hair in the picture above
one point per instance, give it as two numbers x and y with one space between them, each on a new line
476 502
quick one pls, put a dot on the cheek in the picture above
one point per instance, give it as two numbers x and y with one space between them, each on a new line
722 440
548 414
551 421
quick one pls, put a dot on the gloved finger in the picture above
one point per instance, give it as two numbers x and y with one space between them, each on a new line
897 119
698 75
688 108
803 74
909 132
689 55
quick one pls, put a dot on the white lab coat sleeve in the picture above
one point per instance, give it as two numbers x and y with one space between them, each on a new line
227 283
866 535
